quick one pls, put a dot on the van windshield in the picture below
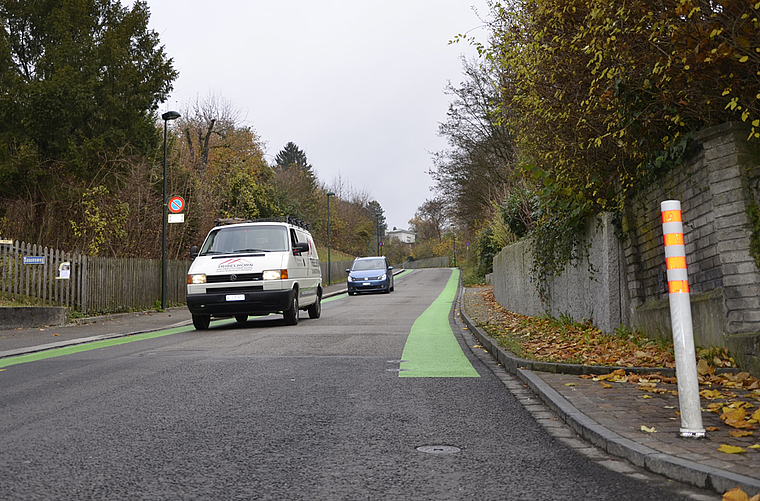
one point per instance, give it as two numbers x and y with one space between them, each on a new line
233 240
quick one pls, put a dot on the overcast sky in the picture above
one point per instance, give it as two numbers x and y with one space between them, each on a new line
358 85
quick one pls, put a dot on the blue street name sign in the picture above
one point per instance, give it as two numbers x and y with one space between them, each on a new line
34 259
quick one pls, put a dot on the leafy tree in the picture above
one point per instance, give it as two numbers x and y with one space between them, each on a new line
203 121
291 157
602 94
218 166
600 98
478 168
80 81
376 212
78 77
396 251
352 227
430 219
296 184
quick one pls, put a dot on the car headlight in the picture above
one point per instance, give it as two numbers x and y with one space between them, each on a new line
275 275
200 278
383 277
350 278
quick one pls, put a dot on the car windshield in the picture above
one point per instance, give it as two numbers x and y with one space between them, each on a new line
232 240
369 264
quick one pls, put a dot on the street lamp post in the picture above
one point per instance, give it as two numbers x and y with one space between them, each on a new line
377 229
329 262
169 115
454 242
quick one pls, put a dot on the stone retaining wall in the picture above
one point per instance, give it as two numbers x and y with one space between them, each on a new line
719 181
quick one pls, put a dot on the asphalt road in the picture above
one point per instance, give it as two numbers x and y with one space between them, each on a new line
264 411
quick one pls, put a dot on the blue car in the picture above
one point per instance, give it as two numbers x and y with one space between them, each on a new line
370 274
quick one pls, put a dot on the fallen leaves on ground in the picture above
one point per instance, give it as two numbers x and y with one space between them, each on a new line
730 449
562 341
552 340
739 495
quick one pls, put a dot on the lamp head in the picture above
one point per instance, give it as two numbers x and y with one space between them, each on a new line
170 115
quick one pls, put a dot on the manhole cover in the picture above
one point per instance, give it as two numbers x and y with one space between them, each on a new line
438 449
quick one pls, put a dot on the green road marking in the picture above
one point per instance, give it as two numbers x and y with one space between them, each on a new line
431 349
339 296
405 272
69 350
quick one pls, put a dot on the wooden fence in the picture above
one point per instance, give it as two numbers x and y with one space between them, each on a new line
46 276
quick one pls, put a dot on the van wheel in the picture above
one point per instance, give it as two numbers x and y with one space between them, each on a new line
291 315
242 317
201 322
315 310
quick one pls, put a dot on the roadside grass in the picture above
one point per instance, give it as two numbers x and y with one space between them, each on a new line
335 255
470 277
14 303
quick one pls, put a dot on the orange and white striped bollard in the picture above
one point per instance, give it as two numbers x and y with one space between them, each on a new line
680 318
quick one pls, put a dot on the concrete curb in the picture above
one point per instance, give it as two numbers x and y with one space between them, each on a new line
672 467
73 342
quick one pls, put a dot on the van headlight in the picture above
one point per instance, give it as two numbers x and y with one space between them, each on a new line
275 275
199 278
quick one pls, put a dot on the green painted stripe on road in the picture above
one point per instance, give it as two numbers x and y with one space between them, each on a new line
432 349
339 296
79 348
405 272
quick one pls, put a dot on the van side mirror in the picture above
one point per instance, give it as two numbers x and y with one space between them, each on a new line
300 247
193 252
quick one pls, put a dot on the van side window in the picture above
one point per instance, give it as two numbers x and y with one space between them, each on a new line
304 237
293 237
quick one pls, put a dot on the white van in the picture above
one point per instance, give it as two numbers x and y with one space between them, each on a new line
255 267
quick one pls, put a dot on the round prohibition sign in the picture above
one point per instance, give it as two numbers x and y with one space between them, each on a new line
176 204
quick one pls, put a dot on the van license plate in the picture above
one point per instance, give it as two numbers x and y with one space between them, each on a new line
235 297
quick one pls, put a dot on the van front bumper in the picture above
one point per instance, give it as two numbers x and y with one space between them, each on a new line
229 302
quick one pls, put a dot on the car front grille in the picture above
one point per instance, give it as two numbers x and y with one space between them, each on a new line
234 290
234 277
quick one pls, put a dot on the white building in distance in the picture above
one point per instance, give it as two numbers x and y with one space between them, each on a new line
403 236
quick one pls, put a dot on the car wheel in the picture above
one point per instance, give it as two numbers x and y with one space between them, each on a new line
291 315
241 317
315 310
201 322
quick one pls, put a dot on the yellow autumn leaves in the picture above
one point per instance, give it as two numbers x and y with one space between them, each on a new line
739 495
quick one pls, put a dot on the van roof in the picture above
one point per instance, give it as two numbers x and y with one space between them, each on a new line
286 220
